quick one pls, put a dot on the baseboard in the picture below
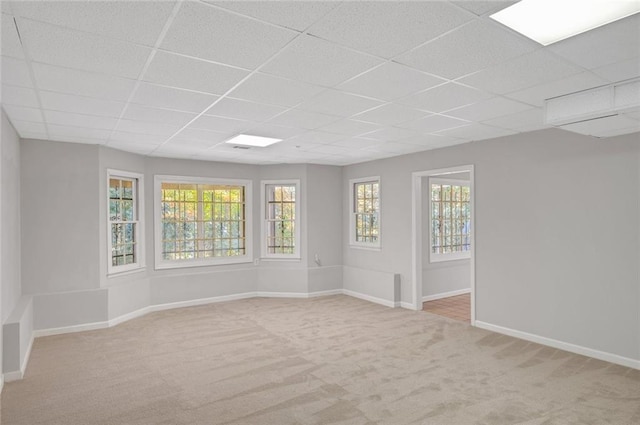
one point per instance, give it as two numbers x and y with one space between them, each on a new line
200 301
1 383
386 303
17 375
298 294
577 349
129 316
446 294
409 306
70 329
326 293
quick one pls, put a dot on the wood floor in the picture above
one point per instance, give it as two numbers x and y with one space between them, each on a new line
457 307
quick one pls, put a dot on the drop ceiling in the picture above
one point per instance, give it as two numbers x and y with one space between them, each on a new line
339 82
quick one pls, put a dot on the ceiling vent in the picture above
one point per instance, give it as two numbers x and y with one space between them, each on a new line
604 111
242 147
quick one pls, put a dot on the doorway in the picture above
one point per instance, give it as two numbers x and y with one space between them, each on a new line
444 262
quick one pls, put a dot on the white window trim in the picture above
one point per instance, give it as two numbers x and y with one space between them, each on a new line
453 256
374 246
263 231
160 263
139 265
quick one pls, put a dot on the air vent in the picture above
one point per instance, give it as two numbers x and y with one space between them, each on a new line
242 147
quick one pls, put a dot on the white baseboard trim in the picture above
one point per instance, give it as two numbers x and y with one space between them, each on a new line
326 293
370 298
409 306
446 294
200 301
577 349
1 383
70 329
17 375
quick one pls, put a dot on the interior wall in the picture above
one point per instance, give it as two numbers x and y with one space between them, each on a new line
556 233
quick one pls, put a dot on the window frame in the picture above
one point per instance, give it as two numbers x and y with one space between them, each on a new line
375 246
160 263
450 256
265 255
139 236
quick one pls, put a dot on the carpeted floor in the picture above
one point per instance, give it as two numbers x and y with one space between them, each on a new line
330 360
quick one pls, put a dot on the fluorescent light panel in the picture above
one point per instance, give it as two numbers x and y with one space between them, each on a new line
250 140
549 21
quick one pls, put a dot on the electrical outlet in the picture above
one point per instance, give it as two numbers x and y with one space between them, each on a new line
256 262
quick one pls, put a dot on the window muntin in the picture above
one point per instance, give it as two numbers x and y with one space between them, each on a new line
281 229
450 227
202 221
124 224
365 213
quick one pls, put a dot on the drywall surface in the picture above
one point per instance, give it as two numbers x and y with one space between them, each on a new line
324 213
556 233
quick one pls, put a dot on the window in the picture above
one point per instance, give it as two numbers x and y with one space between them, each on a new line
450 224
125 228
281 225
202 221
365 212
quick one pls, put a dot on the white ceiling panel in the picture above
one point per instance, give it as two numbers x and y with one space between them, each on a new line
73 49
444 97
15 72
143 113
172 98
528 120
315 137
395 148
79 120
207 32
187 73
65 131
388 28
244 110
19 96
144 127
355 143
477 131
272 90
432 141
483 7
620 71
29 127
350 127
434 123
275 131
202 138
390 114
133 21
476 46
536 95
139 148
605 45
221 124
11 45
605 127
316 61
297 15
150 139
390 81
79 104
22 113
81 83
77 139
487 109
391 134
526 71
334 102
302 119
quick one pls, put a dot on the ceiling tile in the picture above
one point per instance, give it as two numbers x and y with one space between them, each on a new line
477 131
63 47
171 98
275 131
338 103
138 22
77 139
187 73
79 104
82 83
138 148
28 127
356 143
79 120
390 81
395 148
123 136
390 114
316 61
144 127
142 113
272 90
468 49
488 109
434 123
536 95
15 72
19 96
350 127
11 45
203 138
526 71
444 97
614 42
528 120
220 124
244 110
620 71
297 15
433 141
388 28
391 134
301 119
59 131
482 7
605 127
315 137
21 113
211 33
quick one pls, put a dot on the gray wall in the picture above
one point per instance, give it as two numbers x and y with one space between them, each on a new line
557 234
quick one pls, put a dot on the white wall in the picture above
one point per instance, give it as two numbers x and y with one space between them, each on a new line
556 233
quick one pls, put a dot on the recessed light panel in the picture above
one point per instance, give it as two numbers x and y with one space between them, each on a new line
250 140
549 21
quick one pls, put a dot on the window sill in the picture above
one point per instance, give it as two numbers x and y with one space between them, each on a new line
447 258
366 248
126 272
276 259
189 264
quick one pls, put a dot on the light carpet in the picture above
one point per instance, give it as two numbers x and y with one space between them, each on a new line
331 360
